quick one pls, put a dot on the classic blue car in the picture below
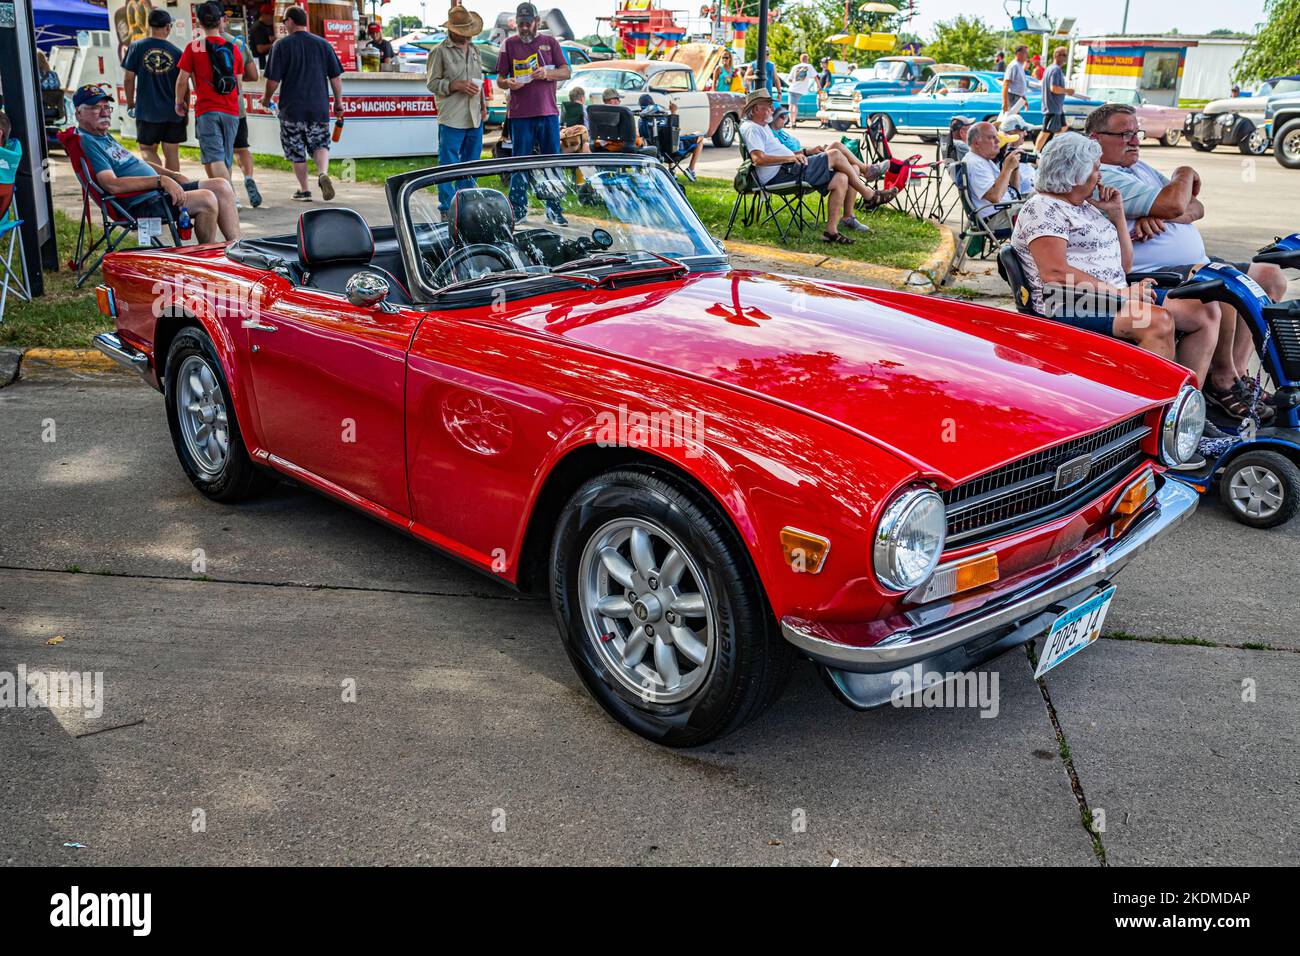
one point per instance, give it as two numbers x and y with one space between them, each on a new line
888 76
972 93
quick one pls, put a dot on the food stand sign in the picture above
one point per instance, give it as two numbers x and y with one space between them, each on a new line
342 36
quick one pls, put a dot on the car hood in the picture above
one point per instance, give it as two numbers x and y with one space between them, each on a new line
1244 105
953 388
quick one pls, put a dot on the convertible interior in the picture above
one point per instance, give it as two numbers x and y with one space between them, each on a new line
477 237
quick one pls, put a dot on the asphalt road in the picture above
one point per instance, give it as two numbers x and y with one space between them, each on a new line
471 740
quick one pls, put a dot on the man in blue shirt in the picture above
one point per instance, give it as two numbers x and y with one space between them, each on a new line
1162 210
149 79
210 202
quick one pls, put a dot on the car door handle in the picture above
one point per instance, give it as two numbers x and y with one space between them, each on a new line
260 326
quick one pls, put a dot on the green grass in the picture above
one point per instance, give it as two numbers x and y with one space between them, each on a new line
895 239
1191 104
65 317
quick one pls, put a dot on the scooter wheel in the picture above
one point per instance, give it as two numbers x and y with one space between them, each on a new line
1261 489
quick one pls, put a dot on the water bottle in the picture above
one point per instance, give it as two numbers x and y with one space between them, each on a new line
183 224
338 129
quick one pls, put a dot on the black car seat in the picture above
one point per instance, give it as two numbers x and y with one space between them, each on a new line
482 218
336 244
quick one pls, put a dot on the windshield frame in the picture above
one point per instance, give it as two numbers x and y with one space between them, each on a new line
400 189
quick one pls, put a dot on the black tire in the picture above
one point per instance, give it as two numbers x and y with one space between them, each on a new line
1201 147
725 134
1281 469
1172 137
840 126
1256 144
750 660
1286 144
886 124
238 478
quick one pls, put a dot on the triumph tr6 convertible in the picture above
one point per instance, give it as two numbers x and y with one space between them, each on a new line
712 472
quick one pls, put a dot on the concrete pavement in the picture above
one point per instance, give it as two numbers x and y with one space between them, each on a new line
227 691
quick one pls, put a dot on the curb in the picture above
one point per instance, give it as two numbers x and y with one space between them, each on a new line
927 277
89 360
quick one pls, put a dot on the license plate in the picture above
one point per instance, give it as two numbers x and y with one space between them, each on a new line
1074 630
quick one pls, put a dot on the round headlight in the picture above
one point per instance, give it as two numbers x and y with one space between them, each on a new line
857 97
910 539
822 97
1184 423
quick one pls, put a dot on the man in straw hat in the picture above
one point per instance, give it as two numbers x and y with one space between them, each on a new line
454 75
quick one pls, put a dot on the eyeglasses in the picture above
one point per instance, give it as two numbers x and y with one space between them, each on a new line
1132 135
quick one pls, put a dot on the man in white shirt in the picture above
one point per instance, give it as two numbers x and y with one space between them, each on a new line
1162 210
802 80
990 182
775 164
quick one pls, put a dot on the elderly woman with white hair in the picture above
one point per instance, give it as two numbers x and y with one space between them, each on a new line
1072 235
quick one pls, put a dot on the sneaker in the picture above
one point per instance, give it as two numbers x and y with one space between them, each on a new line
254 194
326 186
556 217
689 174
302 195
1214 431
852 225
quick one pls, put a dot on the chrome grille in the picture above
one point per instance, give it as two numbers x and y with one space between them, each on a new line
1016 494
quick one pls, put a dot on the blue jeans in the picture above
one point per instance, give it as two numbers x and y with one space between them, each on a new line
528 135
457 146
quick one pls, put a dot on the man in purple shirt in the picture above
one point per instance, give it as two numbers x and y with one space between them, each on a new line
529 67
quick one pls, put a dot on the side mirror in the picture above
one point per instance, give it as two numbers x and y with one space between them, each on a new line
366 289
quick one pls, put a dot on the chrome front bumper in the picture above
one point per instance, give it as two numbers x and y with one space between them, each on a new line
1005 621
111 344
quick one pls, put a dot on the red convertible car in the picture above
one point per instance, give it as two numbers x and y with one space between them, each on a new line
712 472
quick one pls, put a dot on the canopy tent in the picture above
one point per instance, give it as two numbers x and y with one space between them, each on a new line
57 21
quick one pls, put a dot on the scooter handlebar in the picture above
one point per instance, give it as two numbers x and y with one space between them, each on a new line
1210 290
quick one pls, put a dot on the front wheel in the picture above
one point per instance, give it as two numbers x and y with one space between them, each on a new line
886 125
1172 137
1286 144
1261 489
840 126
202 419
725 134
1201 147
661 611
1256 144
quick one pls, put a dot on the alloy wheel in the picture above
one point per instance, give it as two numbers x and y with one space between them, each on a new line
1256 492
201 412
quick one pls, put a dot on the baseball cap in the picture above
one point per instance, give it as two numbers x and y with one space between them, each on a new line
525 11
1015 121
959 122
159 18
375 28
89 95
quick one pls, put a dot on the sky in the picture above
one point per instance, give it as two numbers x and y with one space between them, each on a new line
1094 16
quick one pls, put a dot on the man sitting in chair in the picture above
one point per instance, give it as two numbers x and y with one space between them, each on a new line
688 144
776 164
989 181
210 202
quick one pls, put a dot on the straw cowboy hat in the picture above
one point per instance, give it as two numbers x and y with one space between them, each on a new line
463 23
754 97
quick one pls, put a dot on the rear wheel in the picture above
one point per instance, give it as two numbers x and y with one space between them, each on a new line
886 124
1286 144
1261 489
725 134
661 611
202 419
1172 137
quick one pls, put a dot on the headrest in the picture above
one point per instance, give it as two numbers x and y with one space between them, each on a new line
480 215
333 236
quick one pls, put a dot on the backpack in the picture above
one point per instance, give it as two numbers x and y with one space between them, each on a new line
221 57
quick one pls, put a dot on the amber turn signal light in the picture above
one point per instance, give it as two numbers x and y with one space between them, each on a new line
804 552
956 576
106 301
1136 495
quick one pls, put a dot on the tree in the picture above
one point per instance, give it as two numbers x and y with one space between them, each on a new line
401 25
1276 50
966 40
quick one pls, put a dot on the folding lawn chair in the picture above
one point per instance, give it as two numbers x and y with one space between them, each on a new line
943 200
913 178
117 220
781 205
978 237
12 275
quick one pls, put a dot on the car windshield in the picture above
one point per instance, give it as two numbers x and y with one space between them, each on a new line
597 81
888 69
1286 86
952 82
582 219
1127 97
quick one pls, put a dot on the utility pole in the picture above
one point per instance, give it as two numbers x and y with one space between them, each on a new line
1124 29
761 62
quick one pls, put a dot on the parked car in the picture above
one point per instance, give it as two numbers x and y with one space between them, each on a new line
929 112
888 76
1237 120
711 471
1164 123
1282 128
712 114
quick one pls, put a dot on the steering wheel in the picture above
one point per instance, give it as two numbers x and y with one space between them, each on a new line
463 254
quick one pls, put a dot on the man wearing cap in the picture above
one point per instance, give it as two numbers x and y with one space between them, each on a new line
454 75
375 32
210 202
263 33
309 70
216 109
1054 93
529 67
958 129
774 164
149 78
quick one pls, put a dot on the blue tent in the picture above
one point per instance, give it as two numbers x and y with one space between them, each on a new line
57 21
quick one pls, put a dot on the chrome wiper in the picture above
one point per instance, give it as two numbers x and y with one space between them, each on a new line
487 278
587 262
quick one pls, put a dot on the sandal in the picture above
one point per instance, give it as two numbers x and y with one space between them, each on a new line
1255 403
834 238
1228 399
883 197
